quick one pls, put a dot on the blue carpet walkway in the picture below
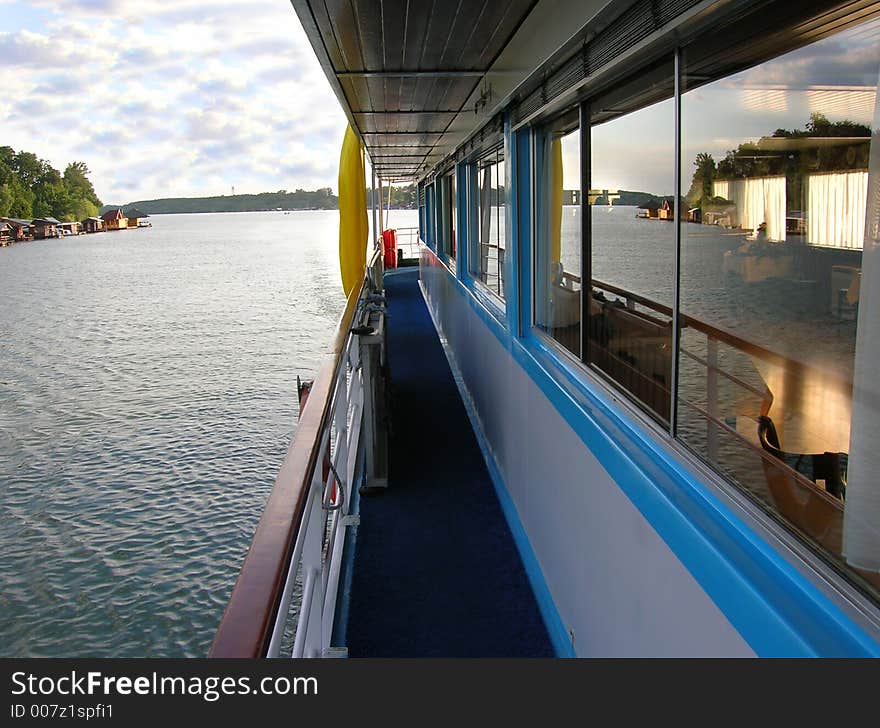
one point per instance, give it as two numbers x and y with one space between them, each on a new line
436 571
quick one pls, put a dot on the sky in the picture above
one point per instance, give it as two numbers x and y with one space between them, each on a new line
165 98
836 76
169 98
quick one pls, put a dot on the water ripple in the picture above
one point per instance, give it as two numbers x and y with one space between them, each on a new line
147 397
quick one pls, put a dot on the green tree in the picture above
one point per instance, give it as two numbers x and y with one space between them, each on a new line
82 201
701 183
820 126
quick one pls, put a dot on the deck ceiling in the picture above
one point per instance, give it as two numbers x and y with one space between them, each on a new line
405 69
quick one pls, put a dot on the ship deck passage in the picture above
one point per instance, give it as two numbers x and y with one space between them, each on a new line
436 570
678 420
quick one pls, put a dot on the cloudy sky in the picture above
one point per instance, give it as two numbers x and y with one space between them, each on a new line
168 98
192 97
836 76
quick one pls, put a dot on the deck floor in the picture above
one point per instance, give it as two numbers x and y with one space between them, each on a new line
436 571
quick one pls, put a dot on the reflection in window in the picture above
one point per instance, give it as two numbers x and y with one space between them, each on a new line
558 254
430 228
447 216
487 256
775 168
632 252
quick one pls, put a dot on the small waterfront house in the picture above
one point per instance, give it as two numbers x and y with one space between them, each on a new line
136 218
70 228
666 211
93 225
5 233
115 220
46 227
21 229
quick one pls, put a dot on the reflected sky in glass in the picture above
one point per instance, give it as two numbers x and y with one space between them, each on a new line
836 76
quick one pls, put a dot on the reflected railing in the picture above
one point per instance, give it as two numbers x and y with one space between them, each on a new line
726 395
492 256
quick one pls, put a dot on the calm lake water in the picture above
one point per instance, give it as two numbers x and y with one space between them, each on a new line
147 398
148 395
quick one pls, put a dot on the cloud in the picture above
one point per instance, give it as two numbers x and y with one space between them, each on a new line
184 98
27 49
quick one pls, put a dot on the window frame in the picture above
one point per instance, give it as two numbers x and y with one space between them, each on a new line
447 224
474 167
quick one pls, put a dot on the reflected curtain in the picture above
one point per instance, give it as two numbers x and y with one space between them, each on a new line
836 205
758 200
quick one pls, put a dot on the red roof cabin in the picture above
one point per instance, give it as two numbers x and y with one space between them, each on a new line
114 220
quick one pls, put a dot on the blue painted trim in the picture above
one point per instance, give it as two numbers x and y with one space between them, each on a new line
463 223
552 621
431 212
559 636
488 300
523 270
776 609
512 186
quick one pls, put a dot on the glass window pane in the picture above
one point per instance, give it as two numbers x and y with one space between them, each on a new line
632 251
451 216
775 170
447 240
558 254
488 195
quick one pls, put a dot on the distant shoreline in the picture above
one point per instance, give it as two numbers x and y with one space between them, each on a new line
281 201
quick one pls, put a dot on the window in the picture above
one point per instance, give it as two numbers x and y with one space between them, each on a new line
773 379
778 353
558 254
430 230
422 213
488 225
632 240
447 243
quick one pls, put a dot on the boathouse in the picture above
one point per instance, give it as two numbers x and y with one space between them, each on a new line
136 218
5 233
93 225
115 220
70 228
46 227
21 229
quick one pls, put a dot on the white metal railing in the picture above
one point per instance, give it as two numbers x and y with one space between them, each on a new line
408 241
317 555
316 560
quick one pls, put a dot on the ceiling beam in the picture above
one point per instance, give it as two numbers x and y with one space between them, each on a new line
436 73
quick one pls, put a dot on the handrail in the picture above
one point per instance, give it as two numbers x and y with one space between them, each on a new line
246 626
726 337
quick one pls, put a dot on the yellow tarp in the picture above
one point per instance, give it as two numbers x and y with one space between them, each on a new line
353 225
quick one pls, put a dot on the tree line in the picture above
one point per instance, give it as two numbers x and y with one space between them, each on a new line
320 199
749 160
31 188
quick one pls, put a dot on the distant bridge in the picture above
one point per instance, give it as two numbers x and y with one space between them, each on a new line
572 197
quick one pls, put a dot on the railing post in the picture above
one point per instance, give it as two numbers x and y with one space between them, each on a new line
712 397
308 632
372 341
